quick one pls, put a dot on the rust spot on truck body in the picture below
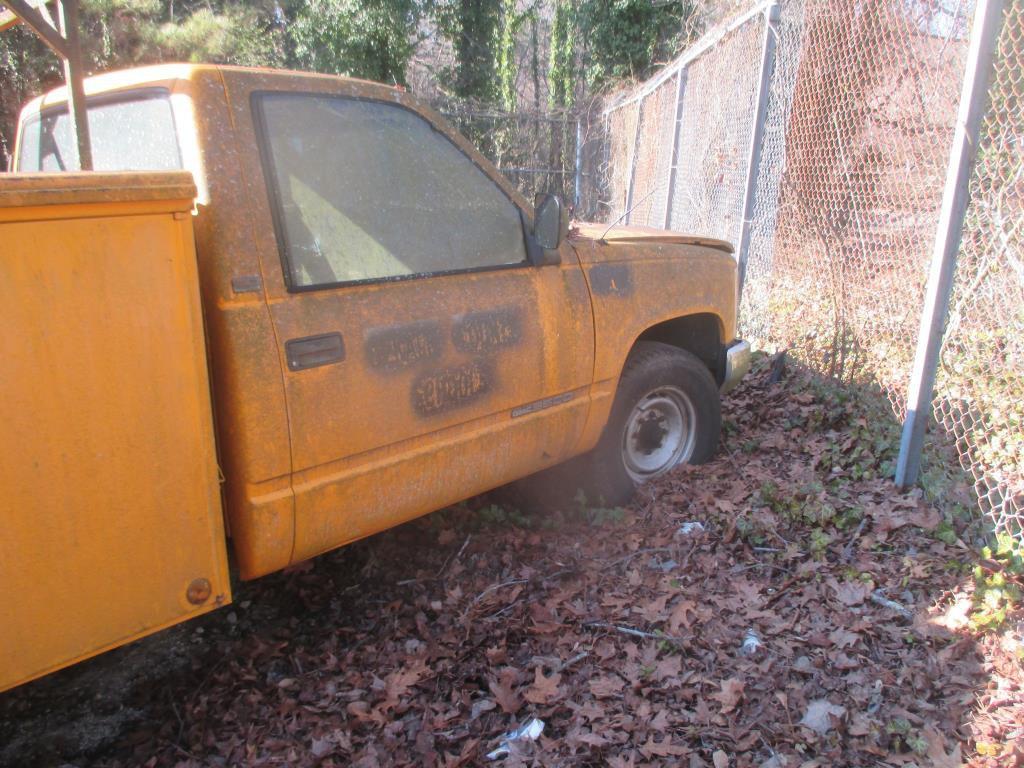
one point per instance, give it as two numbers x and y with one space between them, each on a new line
611 280
198 591
450 388
398 347
480 333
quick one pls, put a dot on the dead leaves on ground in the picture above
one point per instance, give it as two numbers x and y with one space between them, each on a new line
424 645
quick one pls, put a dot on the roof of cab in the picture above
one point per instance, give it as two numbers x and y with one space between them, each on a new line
158 74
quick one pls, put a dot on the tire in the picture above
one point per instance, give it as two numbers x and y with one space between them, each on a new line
666 412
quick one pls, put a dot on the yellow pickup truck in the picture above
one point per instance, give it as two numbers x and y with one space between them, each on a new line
288 311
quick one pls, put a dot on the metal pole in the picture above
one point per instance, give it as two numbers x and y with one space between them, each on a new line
988 16
771 18
677 129
632 159
578 180
67 18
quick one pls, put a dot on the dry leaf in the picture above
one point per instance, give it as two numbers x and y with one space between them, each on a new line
544 689
507 698
607 686
730 694
819 714
662 749
851 592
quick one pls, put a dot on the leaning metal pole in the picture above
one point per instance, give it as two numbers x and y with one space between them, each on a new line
62 38
988 15
771 20
67 18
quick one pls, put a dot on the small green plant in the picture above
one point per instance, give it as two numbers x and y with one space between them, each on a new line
751 531
819 542
997 592
599 515
499 516
945 533
903 734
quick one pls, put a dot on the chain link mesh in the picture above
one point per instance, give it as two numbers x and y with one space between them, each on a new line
653 155
874 103
536 151
862 103
715 130
686 160
980 385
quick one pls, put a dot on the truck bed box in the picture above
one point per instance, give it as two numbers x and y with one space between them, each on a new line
109 497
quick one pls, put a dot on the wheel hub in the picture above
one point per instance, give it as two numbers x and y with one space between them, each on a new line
659 434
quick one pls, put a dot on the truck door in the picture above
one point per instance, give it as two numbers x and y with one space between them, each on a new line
425 358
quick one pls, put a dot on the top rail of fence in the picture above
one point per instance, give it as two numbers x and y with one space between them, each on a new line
695 51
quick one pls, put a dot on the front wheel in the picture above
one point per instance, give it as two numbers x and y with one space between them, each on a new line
666 413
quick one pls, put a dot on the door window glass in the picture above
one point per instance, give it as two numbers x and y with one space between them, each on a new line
367 190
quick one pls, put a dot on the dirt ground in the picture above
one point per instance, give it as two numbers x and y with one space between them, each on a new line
781 606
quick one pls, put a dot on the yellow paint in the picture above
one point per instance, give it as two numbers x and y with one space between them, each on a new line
119 449
110 501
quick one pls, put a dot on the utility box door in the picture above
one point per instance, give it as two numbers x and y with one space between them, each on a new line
109 496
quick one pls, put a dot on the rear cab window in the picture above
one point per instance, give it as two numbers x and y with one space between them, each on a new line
130 131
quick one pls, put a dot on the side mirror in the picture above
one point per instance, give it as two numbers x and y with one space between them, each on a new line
550 221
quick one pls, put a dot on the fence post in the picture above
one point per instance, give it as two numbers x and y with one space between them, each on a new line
632 159
677 129
771 18
61 35
973 98
67 24
578 175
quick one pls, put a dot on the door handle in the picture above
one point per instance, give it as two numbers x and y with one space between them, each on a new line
314 351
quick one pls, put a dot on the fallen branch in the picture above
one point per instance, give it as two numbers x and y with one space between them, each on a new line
639 552
457 556
782 590
444 566
632 632
496 587
848 549
879 599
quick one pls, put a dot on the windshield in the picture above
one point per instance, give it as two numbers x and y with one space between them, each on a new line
129 132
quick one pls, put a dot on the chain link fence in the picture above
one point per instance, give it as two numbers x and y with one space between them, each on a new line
815 135
677 148
980 384
536 151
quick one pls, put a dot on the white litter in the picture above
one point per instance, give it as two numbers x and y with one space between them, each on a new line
687 529
751 643
528 731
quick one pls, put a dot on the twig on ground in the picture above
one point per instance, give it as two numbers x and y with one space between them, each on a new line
751 566
848 549
631 631
441 570
569 662
879 599
639 552
495 588
458 554
782 590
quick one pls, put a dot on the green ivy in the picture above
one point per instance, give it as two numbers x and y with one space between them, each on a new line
372 39
471 26
628 38
562 68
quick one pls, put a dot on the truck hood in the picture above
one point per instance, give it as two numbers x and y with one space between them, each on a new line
631 234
